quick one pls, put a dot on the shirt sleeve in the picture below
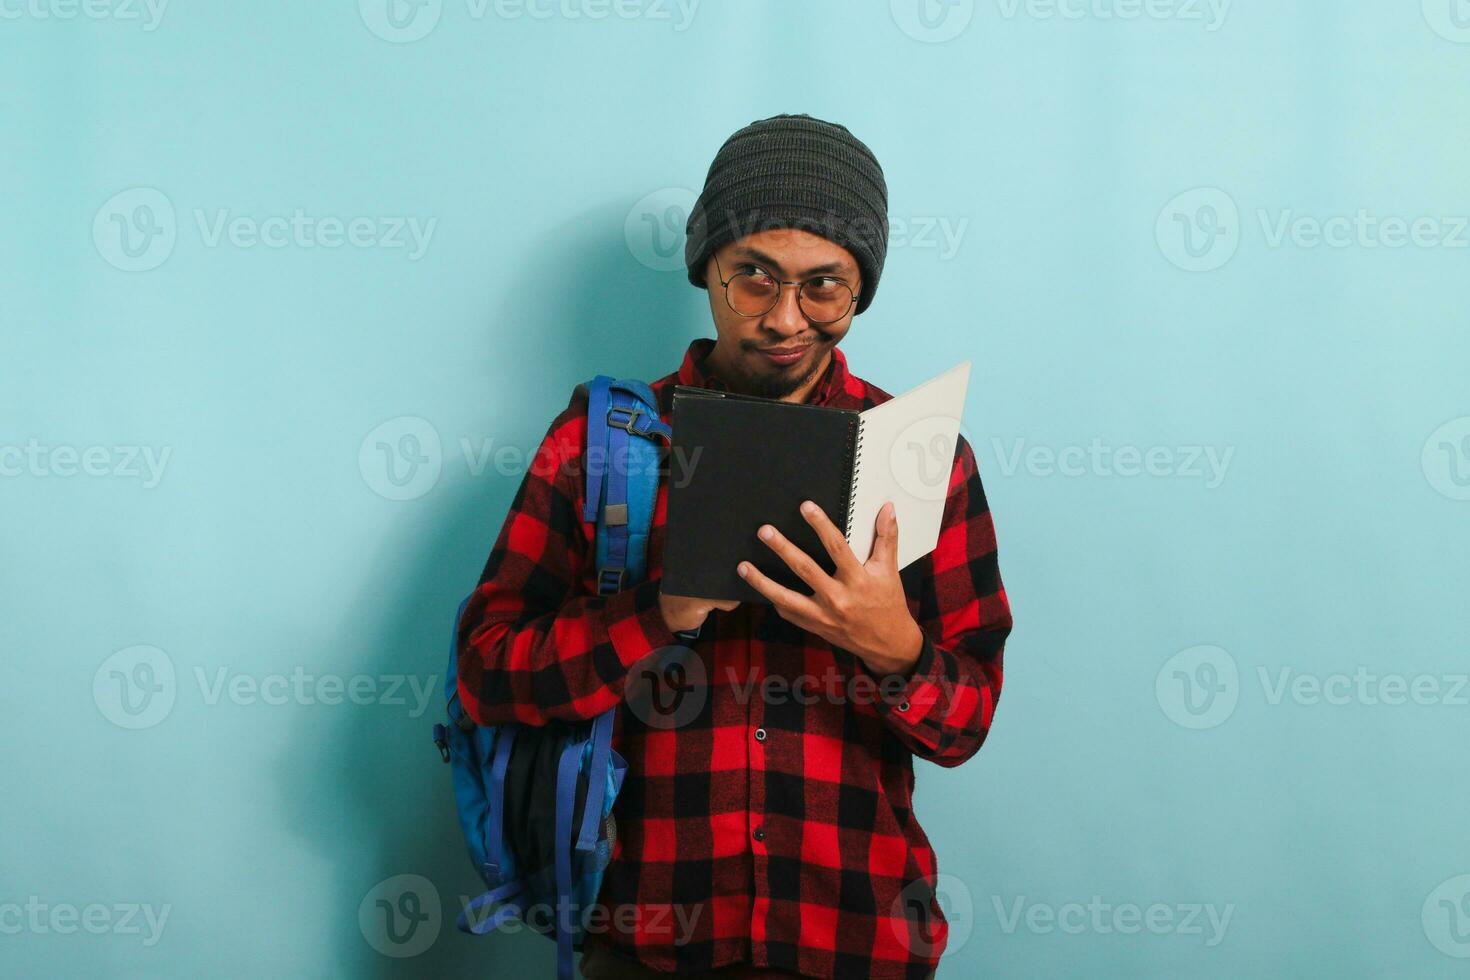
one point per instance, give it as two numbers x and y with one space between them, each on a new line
944 709
534 644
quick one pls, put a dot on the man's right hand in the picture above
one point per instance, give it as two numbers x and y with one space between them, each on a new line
682 612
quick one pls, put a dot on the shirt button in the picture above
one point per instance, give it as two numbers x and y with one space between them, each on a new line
760 734
759 833
903 706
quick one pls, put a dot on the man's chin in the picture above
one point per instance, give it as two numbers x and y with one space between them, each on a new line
769 379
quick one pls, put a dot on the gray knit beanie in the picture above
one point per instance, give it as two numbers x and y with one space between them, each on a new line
793 171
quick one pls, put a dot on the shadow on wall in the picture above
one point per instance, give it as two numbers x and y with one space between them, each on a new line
365 785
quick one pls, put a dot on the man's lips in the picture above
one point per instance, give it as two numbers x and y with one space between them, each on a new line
785 355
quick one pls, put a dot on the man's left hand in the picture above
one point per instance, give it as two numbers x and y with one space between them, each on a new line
862 608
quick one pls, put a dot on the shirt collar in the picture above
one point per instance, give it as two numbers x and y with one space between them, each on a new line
831 389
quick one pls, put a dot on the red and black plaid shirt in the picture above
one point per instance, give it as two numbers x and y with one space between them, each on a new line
775 827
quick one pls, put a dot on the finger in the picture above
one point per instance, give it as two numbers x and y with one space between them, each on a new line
832 537
799 561
790 604
885 544
727 605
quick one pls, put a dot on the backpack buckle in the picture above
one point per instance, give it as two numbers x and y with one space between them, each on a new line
611 579
626 424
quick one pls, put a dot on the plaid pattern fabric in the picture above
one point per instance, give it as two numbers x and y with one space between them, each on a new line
770 821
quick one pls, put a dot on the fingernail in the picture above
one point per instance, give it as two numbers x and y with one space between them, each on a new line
740 569
808 507
765 532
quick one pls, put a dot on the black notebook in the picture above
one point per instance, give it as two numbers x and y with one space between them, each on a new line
738 461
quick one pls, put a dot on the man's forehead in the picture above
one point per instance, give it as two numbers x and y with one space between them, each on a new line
795 250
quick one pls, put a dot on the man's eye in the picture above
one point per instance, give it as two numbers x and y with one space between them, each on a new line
758 274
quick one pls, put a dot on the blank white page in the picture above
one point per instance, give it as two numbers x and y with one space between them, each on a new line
906 455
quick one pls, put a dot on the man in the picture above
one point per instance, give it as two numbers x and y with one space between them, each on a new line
772 835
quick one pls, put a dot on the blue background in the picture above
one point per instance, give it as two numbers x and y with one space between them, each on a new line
1115 190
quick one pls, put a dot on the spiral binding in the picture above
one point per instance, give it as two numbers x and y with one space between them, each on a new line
855 449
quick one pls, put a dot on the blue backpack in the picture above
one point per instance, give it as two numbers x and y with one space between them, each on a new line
535 801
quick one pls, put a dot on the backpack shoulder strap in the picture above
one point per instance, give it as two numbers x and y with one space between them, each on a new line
622 464
622 457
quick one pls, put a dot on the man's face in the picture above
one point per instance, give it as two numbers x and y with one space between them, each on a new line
748 348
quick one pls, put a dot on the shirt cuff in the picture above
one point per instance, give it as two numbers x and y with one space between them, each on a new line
635 624
909 702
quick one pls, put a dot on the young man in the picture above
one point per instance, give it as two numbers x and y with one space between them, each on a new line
773 834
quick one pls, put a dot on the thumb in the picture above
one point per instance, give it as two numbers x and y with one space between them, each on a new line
885 546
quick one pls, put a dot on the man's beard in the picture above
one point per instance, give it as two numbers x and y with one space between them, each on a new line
779 384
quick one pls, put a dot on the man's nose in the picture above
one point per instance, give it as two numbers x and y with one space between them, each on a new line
786 317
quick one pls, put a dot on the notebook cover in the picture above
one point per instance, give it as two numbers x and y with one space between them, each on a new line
738 462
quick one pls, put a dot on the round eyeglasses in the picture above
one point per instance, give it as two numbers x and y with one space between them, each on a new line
755 292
